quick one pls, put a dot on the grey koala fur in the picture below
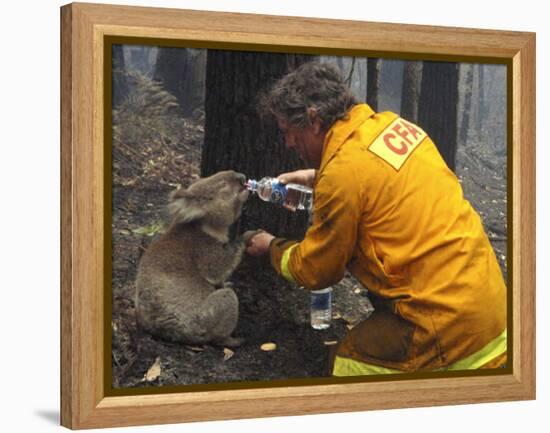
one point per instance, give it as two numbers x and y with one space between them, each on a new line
181 290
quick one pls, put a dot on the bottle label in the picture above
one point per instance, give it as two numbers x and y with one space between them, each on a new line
278 193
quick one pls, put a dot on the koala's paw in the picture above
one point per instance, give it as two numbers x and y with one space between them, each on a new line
249 234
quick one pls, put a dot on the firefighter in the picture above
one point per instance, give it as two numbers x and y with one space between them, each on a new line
388 209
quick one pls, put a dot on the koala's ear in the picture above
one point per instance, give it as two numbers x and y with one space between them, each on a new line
184 208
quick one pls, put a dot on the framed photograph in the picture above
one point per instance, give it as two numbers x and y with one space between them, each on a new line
160 105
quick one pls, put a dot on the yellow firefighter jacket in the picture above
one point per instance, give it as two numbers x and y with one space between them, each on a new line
387 208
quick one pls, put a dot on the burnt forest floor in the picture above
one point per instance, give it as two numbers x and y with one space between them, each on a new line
270 310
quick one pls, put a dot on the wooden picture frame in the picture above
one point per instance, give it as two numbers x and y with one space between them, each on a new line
84 401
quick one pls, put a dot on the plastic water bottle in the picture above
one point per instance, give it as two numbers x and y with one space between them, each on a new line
292 195
321 308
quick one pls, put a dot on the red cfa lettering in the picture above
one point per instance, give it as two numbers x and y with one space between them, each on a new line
403 134
396 143
399 150
415 132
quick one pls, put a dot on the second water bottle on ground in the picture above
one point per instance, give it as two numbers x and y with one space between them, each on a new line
321 308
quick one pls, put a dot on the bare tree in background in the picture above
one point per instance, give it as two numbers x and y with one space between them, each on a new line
373 82
437 111
236 139
481 97
468 70
140 58
120 84
340 63
181 71
410 93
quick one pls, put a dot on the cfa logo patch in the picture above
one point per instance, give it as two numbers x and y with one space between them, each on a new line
397 142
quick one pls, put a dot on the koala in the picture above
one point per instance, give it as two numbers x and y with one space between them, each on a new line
181 289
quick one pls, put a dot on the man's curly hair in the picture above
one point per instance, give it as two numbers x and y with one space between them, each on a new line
312 85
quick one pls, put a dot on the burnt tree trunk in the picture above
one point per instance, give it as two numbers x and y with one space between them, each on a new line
120 83
410 93
467 104
236 139
437 111
340 63
181 72
481 99
349 79
373 82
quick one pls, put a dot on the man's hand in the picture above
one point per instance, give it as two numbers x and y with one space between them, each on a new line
302 177
249 234
258 245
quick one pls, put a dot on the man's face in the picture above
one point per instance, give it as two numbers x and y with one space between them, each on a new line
306 141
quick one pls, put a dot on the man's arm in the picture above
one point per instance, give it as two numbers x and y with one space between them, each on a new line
321 258
301 177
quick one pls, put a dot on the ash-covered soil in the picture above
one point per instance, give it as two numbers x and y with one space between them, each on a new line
482 171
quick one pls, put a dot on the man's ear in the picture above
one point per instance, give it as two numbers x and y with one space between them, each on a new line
184 208
314 119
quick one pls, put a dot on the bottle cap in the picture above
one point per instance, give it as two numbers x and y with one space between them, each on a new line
251 185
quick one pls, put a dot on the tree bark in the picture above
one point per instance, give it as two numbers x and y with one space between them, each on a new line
236 139
437 112
467 104
120 83
481 111
340 63
181 71
410 93
373 82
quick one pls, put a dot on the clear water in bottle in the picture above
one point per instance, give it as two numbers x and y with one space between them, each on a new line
292 196
268 189
298 197
321 308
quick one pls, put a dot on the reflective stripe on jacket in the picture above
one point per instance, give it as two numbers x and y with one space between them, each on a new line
492 355
387 208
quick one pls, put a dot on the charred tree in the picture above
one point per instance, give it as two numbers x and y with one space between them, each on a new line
120 83
437 111
181 72
349 79
361 90
340 63
410 92
236 139
481 111
373 82
467 103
